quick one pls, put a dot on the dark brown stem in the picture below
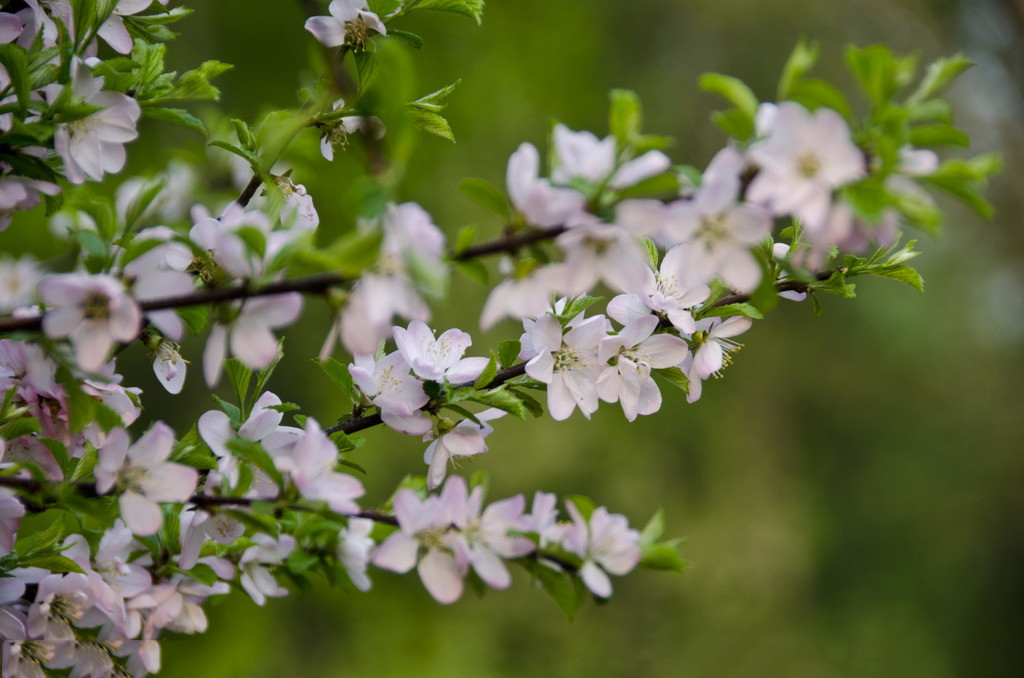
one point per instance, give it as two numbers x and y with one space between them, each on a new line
509 243
369 421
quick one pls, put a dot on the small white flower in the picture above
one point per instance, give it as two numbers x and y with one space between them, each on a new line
349 22
805 157
92 311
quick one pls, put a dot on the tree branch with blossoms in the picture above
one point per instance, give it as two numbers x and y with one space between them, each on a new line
136 532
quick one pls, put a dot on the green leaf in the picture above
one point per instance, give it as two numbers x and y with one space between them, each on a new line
138 207
263 376
254 453
814 93
503 400
250 158
432 123
625 117
487 375
14 60
801 60
366 69
902 273
474 9
203 574
674 376
195 85
577 306
341 378
486 195
734 123
566 590
435 101
730 310
177 116
879 73
664 556
86 463
408 38
733 90
55 563
937 135
195 317
241 378
585 505
653 530
531 404
19 427
473 269
508 352
938 76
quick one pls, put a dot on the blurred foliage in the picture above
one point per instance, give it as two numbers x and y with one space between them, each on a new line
851 492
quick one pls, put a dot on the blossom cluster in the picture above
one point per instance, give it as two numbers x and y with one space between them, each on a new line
163 522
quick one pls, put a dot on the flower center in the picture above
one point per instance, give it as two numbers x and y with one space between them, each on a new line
97 307
808 165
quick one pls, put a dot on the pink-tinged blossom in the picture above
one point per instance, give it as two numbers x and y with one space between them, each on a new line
422 522
113 30
595 251
20 193
61 602
94 145
438 359
606 544
410 260
169 367
144 475
255 563
197 525
349 22
398 394
804 158
636 351
543 520
298 211
568 365
86 659
11 512
311 468
581 155
159 273
25 658
720 230
540 203
250 334
669 292
355 549
10 28
455 536
112 577
220 237
652 219
263 426
18 281
92 311
335 133
465 439
525 296
714 344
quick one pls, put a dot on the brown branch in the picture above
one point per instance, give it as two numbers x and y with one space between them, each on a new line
509 243
315 284
369 421
88 490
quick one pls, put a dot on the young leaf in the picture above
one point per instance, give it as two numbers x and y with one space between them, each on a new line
486 195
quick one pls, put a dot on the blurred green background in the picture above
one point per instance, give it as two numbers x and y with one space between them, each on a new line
851 492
